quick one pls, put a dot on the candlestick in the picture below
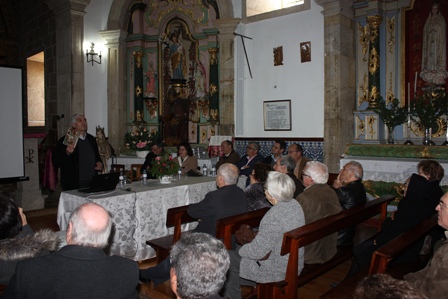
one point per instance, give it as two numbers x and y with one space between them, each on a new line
415 85
409 97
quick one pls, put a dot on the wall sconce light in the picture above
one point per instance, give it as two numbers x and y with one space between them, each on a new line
92 55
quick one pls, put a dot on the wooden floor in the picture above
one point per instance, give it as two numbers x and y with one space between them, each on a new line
46 218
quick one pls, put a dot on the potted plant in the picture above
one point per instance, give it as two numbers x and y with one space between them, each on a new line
391 114
426 110
140 140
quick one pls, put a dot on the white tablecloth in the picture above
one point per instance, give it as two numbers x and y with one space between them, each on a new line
127 161
389 169
140 214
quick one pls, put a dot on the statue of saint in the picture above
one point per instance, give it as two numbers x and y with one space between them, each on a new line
434 48
106 150
177 52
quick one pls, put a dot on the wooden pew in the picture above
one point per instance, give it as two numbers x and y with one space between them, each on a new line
226 227
175 217
315 231
382 258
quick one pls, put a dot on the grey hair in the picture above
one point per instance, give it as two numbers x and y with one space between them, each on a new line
289 162
256 146
356 168
201 263
280 186
87 236
317 171
229 172
75 116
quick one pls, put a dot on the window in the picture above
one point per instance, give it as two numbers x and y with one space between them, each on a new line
35 90
256 10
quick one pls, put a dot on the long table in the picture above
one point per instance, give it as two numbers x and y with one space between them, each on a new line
140 214
127 161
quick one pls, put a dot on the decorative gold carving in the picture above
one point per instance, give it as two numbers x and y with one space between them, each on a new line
213 55
374 61
365 90
364 39
390 94
213 89
152 106
278 56
371 122
138 90
167 7
214 114
374 23
361 124
374 93
138 58
438 130
391 30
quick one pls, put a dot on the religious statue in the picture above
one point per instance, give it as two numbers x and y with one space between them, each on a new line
151 75
177 52
434 48
106 150
199 76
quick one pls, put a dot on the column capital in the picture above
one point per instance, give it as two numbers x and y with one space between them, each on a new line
226 28
334 7
114 37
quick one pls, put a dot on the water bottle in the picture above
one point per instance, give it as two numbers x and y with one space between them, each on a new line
145 177
179 174
204 170
213 170
121 179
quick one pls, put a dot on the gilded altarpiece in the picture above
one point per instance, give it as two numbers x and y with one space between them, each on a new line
179 46
397 27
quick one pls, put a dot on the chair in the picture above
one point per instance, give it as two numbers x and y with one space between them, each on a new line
117 168
134 172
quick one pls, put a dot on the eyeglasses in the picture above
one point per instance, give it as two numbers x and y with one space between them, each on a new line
250 148
306 175
291 151
443 205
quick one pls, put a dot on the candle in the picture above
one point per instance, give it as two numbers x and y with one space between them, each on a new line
415 85
409 97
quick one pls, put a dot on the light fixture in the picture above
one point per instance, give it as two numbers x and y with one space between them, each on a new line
92 55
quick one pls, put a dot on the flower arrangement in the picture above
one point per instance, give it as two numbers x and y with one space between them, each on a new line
392 114
140 139
427 109
163 165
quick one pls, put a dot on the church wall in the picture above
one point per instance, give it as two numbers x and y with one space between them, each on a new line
302 83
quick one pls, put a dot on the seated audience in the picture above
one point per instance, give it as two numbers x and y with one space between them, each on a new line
295 150
17 240
260 260
422 196
156 150
247 162
199 265
256 199
81 269
379 286
351 193
227 201
318 201
228 154
286 164
185 158
276 152
432 280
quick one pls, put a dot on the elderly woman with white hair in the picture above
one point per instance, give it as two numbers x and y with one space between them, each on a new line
260 260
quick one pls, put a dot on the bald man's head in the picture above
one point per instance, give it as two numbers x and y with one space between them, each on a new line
89 225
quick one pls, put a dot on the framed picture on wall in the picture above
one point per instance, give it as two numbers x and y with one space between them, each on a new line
277 115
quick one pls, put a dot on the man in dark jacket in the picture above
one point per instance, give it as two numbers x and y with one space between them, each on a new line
156 150
81 269
228 154
351 193
78 161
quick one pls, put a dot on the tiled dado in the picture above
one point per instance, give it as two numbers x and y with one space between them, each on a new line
313 150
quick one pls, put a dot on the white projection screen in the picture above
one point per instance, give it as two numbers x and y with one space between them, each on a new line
12 166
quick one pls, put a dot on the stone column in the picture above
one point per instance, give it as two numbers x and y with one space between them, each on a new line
339 78
116 86
226 29
69 16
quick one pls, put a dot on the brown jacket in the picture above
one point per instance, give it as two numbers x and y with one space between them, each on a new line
319 201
